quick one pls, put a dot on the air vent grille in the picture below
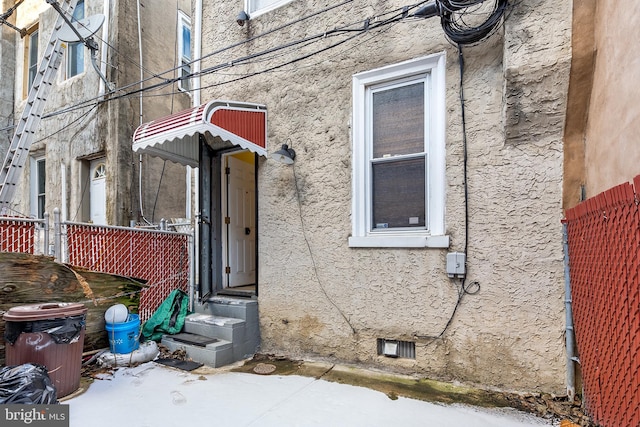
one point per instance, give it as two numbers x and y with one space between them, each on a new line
396 348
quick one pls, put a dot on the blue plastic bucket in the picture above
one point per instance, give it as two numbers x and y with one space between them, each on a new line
123 337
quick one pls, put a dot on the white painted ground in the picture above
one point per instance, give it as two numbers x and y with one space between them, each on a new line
152 395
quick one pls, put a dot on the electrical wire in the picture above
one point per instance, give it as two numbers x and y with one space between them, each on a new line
454 19
366 26
313 260
473 287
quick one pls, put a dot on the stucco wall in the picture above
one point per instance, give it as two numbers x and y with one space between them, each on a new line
613 119
7 75
72 139
320 298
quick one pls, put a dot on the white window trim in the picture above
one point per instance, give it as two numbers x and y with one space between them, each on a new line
258 12
434 236
183 21
66 75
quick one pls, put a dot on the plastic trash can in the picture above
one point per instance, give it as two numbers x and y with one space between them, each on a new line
49 334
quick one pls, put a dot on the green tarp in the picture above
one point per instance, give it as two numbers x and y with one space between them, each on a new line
168 318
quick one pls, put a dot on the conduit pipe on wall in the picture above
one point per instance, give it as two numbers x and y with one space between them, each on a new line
140 108
106 8
197 54
569 334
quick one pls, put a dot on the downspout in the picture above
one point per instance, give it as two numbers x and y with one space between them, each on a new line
569 333
192 184
140 108
102 88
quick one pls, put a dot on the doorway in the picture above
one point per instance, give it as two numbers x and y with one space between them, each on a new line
238 208
98 192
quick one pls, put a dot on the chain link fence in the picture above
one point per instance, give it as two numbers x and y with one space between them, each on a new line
604 241
162 259
23 235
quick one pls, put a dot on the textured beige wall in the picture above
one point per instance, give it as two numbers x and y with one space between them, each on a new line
107 130
320 298
613 121
7 77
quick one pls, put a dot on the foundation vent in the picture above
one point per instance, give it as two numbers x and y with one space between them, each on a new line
396 348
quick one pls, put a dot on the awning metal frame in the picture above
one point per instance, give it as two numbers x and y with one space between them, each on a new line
177 137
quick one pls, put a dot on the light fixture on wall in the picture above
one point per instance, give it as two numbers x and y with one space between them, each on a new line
284 155
242 18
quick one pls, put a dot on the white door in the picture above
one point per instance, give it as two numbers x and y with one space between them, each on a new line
239 223
98 192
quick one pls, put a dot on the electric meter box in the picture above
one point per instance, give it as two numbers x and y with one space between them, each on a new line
456 264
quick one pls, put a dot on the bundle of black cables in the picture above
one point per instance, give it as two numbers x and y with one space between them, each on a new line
466 21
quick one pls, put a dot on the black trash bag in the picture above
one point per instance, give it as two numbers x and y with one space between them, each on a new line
63 331
26 384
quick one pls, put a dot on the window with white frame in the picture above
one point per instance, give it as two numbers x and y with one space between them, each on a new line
258 7
38 186
75 51
399 155
31 58
184 50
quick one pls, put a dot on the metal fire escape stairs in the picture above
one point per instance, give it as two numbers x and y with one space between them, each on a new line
29 122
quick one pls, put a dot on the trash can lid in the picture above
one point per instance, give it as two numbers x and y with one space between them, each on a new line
44 311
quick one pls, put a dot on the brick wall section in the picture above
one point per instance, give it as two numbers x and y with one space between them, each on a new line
604 236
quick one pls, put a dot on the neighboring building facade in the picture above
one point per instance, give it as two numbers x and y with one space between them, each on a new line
81 160
351 252
602 121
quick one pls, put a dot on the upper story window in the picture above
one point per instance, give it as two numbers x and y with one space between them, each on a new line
38 186
31 58
399 155
75 51
184 50
258 7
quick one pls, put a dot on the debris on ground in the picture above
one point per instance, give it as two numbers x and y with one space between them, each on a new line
543 405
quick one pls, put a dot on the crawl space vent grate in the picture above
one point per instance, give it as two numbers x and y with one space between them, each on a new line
396 348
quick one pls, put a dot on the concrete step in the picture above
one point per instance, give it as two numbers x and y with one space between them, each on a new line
233 322
216 354
245 342
239 308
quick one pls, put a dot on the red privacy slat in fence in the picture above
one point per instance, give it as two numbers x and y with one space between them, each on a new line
604 257
159 258
17 236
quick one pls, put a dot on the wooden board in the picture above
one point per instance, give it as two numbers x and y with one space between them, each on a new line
29 279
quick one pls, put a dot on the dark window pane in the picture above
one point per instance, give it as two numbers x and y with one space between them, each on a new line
33 58
41 187
399 194
398 121
185 71
41 176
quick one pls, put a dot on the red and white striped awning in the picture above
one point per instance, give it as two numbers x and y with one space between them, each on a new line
176 137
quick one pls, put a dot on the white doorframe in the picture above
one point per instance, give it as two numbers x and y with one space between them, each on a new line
239 230
98 191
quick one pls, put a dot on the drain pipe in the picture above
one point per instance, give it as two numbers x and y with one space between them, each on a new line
569 334
141 114
197 66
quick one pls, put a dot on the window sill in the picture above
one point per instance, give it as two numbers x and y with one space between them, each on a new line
399 241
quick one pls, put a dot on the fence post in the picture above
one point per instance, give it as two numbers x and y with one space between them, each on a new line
192 270
45 240
163 224
57 236
569 333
